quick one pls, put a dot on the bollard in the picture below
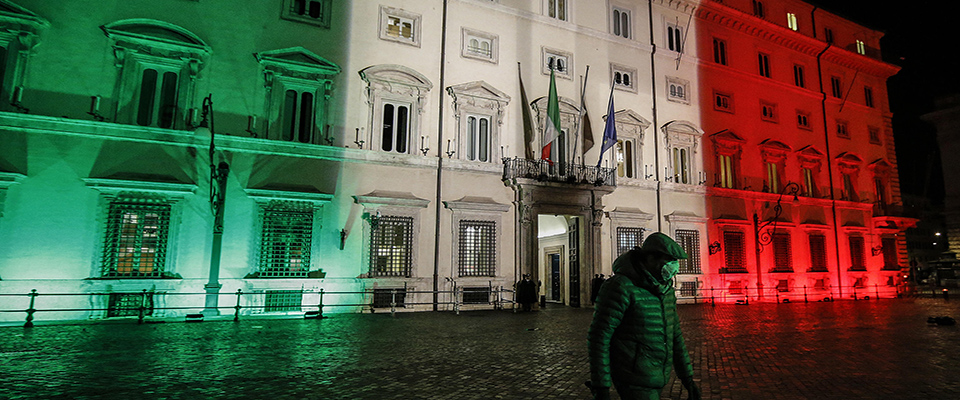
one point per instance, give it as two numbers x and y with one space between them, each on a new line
236 308
320 305
876 290
778 295
946 294
30 310
143 307
457 295
855 293
804 293
713 300
393 302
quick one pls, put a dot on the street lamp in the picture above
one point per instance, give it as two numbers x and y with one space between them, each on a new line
218 186
764 237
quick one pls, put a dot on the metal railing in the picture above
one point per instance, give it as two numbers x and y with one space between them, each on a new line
791 294
560 172
248 304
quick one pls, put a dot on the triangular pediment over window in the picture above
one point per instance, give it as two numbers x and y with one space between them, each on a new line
849 159
880 167
810 153
630 117
479 89
727 137
297 59
397 74
16 18
155 34
682 127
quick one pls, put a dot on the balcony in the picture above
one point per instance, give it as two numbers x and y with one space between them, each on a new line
544 171
887 210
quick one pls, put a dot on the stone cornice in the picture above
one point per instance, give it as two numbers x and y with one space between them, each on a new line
266 195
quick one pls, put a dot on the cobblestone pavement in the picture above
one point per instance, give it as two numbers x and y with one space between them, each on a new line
843 350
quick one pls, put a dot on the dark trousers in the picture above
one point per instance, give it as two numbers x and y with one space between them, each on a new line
628 392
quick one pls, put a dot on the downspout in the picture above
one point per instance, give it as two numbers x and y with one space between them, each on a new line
436 237
656 133
826 143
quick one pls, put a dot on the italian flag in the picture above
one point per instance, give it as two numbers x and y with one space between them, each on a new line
552 132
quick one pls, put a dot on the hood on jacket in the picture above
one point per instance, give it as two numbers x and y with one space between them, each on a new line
629 265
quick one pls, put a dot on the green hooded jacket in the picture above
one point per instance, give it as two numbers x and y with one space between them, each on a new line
635 336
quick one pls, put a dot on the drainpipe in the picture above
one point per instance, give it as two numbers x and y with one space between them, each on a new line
436 236
656 133
826 143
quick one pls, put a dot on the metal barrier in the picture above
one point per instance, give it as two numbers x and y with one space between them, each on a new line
793 294
497 297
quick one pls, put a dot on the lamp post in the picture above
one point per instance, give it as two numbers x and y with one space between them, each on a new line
218 186
761 237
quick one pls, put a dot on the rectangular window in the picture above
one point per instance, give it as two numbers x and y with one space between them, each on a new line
625 153
799 78
874 134
675 37
557 9
763 62
842 130
391 246
624 78
856 254
297 116
480 45
733 252
803 120
678 89
477 248
782 253
736 287
809 183
388 298
891 261
719 51
768 112
561 62
688 289
399 26
316 12
135 244
880 191
728 177
828 35
128 304
722 102
773 178
476 295
690 241
285 244
836 88
681 165
783 285
861 47
395 130
628 238
792 21
621 22
282 300
868 96
849 190
758 9
478 138
818 253
157 104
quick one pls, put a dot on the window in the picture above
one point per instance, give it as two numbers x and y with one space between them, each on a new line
799 78
286 239
129 304
397 96
764 64
397 25
135 244
682 140
391 246
891 260
389 298
809 182
316 12
758 8
768 111
772 184
476 295
626 158
842 130
678 90
792 21
681 165
868 96
478 138
728 178
394 134
736 287
688 289
849 189
874 134
477 249
624 77
828 35
733 252
282 300
628 238
20 33
296 107
728 147
722 102
560 61
782 257
157 103
690 241
480 45
880 191
296 122
557 9
803 120
675 37
621 22
856 254
861 47
836 88
818 252
719 51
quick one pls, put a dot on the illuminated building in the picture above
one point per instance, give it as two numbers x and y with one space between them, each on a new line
380 146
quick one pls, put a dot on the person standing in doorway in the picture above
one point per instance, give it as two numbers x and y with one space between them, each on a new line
526 292
635 337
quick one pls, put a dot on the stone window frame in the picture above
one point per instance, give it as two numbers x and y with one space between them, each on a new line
303 71
466 34
626 217
480 99
848 165
631 126
679 83
626 74
729 144
804 116
8 180
812 159
682 221
684 135
323 21
617 14
386 203
873 135
20 31
678 38
394 84
135 53
728 107
774 152
386 13
567 8
569 121
314 202
769 112
547 53
475 209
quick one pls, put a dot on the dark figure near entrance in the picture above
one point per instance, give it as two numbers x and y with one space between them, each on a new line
595 287
635 338
526 292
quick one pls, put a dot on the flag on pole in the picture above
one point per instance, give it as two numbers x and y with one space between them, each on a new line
585 120
609 130
552 131
528 131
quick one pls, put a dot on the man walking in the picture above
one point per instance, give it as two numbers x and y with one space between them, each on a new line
635 337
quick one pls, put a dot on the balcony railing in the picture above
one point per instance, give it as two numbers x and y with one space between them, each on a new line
887 210
544 171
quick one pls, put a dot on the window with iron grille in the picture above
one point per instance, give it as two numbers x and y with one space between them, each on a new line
733 252
735 287
818 253
690 241
890 259
856 254
135 244
478 248
286 238
783 285
127 304
628 238
283 300
688 289
391 246
782 256
476 295
383 298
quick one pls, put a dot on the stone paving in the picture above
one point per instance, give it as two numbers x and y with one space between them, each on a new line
843 350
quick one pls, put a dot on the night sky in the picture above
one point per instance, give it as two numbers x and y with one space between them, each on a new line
922 41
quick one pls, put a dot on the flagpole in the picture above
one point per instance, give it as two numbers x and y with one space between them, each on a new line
583 89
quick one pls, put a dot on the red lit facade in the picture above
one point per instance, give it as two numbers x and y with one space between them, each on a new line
795 114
